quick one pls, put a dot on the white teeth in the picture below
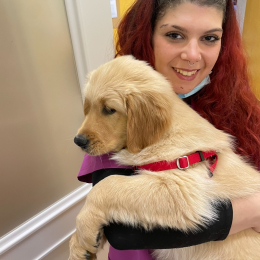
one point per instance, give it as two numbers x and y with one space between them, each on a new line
186 73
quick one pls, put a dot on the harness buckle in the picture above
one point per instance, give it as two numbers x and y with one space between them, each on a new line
135 168
178 163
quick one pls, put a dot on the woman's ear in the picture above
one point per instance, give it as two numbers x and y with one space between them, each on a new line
148 117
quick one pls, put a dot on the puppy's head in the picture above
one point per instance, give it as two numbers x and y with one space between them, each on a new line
127 105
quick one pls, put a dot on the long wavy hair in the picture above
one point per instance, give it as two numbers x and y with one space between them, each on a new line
228 101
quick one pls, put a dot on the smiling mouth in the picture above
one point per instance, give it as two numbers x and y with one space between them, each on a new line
185 72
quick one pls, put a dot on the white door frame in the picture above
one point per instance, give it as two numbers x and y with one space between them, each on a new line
91 30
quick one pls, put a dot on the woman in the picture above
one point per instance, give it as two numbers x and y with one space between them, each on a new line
186 41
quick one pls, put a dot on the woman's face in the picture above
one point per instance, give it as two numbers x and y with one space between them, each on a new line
185 33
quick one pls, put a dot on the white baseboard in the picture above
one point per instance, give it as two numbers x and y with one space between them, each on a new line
60 242
44 232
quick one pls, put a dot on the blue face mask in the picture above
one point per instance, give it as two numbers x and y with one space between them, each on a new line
203 83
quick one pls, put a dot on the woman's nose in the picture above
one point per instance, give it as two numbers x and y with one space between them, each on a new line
191 52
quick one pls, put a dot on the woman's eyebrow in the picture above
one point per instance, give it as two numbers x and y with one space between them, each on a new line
215 30
184 30
174 26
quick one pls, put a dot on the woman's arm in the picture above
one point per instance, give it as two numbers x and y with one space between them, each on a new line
246 214
124 237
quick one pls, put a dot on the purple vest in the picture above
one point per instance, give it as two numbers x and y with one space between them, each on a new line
94 163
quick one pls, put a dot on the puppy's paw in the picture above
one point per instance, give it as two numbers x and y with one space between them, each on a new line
77 252
90 256
90 232
95 242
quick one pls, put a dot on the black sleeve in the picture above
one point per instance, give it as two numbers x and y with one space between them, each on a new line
125 237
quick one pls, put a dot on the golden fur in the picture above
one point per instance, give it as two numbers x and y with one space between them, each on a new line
151 123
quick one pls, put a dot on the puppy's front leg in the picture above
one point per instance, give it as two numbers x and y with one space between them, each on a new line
148 200
89 236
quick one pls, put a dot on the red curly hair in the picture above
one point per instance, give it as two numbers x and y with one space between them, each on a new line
228 101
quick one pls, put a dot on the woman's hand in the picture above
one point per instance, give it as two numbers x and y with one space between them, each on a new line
246 214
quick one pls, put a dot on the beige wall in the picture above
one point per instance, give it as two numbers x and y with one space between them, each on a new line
40 109
251 38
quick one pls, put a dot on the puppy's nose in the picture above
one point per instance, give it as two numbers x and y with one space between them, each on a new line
81 141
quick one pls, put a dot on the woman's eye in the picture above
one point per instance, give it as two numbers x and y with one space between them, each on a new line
211 39
174 36
108 111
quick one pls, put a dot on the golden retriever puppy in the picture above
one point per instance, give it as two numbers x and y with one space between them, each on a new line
132 111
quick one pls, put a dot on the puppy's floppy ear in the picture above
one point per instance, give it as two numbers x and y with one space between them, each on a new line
148 117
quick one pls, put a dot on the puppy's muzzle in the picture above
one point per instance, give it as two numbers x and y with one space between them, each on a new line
81 141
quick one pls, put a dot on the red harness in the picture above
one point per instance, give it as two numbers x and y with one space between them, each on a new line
183 162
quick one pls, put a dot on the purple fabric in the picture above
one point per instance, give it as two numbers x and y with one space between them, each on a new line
94 163
129 254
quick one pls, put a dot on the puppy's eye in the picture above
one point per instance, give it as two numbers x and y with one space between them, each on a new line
108 111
